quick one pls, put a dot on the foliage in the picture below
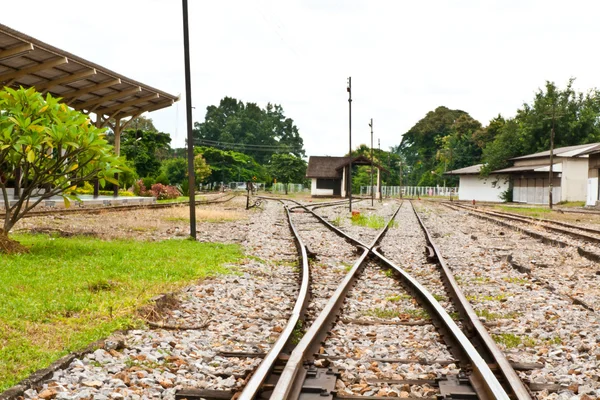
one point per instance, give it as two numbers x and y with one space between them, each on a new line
201 168
370 221
142 123
231 166
576 118
54 146
176 170
390 160
249 129
441 141
287 168
139 188
145 149
164 192
69 292
507 195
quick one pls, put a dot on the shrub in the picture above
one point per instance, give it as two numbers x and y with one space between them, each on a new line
162 179
148 181
164 192
139 189
507 195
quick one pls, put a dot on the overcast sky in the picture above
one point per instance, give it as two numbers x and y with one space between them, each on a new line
405 57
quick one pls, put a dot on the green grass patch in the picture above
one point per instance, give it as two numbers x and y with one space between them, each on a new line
382 313
492 316
69 292
398 298
517 280
370 221
572 203
536 212
510 340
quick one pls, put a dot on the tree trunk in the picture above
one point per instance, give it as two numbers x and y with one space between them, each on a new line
9 246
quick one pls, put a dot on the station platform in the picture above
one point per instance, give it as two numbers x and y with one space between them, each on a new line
89 201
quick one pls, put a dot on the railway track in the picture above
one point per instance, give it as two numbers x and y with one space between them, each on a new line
120 208
308 370
362 318
530 296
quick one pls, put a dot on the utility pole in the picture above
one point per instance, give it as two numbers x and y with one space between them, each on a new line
379 174
349 89
190 135
551 172
550 177
372 191
400 179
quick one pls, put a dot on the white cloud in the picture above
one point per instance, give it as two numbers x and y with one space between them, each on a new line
405 58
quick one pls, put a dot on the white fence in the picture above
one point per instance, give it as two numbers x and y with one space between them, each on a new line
411 191
291 188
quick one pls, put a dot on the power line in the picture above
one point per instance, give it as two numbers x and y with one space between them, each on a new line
248 147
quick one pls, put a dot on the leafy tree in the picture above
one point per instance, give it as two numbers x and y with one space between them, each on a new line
287 168
144 148
176 170
45 149
142 123
201 168
576 118
248 129
443 140
229 166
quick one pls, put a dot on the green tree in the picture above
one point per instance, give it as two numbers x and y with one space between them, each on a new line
576 117
201 168
144 149
231 166
45 149
176 170
442 140
287 168
248 129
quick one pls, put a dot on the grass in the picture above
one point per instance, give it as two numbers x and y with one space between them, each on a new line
298 332
510 340
386 313
206 215
337 221
572 203
492 316
370 221
69 292
398 297
536 212
516 280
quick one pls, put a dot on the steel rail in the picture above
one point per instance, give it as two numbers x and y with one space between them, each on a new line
99 210
290 381
253 386
524 219
464 307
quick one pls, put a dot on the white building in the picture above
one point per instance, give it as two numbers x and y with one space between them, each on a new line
593 189
474 187
530 175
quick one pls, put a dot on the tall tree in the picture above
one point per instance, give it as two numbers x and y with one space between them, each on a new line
248 129
443 139
287 168
145 148
576 117
231 166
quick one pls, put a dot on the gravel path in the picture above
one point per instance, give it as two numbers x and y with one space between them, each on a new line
578 276
529 322
241 312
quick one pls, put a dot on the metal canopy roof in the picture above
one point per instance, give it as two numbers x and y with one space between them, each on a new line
83 85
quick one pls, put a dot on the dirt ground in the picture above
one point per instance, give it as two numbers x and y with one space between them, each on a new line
215 220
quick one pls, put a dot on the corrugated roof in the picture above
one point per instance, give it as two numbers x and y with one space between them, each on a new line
472 170
534 168
327 167
593 150
83 85
569 151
